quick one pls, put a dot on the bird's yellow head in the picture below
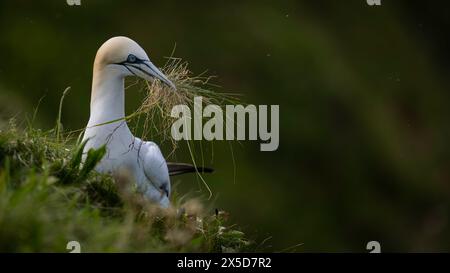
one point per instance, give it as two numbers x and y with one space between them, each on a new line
129 59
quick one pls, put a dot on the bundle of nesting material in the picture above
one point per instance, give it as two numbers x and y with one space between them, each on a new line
155 111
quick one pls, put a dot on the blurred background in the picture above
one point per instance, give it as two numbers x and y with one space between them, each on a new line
363 92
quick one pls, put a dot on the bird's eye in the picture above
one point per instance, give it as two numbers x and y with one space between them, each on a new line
131 58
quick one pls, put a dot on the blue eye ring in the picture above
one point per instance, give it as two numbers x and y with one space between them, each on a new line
131 58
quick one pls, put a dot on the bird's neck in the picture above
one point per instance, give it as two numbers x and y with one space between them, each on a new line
107 96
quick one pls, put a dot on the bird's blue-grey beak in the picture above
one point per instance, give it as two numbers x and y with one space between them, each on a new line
148 71
153 71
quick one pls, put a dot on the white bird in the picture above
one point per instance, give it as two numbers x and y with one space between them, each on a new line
116 59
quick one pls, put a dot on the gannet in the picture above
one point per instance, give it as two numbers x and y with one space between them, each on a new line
116 59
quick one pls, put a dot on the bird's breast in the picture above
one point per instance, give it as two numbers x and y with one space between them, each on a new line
121 146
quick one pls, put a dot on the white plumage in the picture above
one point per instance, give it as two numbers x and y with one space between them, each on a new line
116 59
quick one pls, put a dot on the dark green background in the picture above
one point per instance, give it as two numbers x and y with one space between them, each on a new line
363 95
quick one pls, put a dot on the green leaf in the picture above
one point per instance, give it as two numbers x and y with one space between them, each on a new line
93 157
76 159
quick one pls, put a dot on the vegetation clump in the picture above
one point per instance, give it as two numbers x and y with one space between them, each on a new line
48 198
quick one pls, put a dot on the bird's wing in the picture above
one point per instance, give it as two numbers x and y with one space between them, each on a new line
157 170
154 164
182 168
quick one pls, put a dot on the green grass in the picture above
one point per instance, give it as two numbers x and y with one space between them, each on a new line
48 198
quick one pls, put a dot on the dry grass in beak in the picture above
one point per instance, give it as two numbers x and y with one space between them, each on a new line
160 98
154 118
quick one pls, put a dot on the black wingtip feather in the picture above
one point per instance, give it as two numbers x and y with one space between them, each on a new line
182 168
